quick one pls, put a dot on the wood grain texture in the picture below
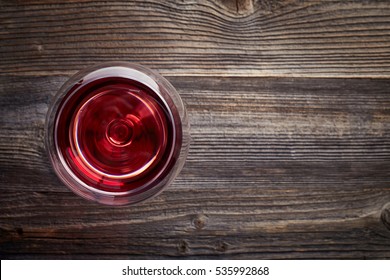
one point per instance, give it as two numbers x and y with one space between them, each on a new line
186 38
278 168
289 106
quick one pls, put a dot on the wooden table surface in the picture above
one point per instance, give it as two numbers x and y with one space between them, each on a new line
289 105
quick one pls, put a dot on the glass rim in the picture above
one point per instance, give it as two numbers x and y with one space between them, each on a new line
153 81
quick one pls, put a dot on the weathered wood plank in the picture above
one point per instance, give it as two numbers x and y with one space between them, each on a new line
278 168
220 38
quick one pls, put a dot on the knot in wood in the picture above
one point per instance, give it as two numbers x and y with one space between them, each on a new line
200 221
240 7
182 247
385 216
222 246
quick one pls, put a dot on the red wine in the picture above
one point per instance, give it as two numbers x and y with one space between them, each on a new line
115 134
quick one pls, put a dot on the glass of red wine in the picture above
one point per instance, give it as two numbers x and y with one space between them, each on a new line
117 133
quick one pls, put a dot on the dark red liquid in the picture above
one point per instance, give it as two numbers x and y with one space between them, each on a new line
116 134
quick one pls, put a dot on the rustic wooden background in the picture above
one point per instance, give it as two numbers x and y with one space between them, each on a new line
289 104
